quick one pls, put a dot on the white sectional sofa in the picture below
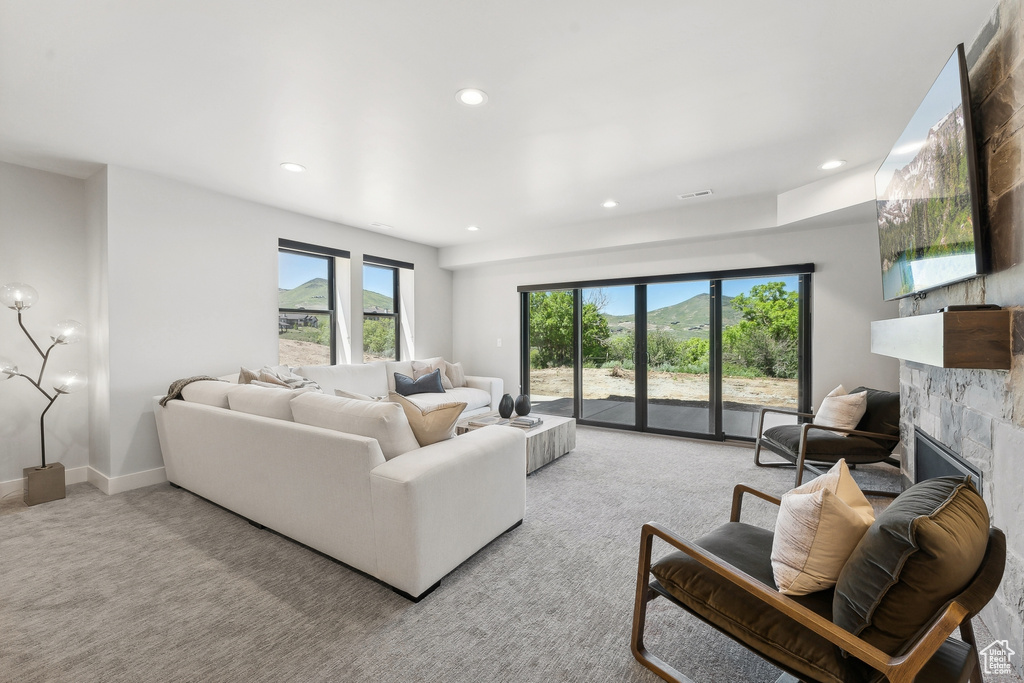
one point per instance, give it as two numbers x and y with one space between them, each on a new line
406 518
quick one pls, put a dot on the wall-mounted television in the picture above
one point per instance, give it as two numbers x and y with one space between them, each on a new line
927 196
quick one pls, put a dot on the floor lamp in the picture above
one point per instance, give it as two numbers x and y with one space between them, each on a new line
46 482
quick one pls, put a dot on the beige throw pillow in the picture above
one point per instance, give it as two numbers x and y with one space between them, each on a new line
455 374
840 409
819 525
425 367
433 424
245 375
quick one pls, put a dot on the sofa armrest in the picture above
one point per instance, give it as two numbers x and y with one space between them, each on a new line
495 386
436 506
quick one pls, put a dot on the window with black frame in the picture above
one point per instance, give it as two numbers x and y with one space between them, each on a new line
381 314
306 317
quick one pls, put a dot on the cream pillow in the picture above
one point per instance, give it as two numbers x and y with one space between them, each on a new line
455 374
425 367
433 424
819 525
356 395
840 409
264 401
383 421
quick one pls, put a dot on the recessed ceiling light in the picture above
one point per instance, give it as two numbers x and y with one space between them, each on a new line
472 228
293 167
834 163
471 97
610 204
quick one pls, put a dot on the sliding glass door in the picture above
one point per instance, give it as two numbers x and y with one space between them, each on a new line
688 355
678 338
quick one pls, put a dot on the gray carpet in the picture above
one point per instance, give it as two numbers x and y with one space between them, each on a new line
159 585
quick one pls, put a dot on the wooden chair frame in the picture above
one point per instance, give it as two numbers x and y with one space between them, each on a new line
897 669
800 461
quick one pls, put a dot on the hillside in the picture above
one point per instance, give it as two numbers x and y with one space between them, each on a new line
312 295
685 319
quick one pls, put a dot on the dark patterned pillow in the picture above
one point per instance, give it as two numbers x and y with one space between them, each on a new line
427 384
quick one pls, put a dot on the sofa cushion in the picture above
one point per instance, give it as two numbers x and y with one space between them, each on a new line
427 384
430 425
362 378
818 526
921 551
473 398
393 366
356 395
383 421
264 401
827 446
456 375
425 367
883 413
208 393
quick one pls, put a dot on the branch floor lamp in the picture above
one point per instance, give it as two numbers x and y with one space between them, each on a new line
46 482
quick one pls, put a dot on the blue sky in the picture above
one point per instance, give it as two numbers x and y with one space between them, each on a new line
295 269
620 299
943 97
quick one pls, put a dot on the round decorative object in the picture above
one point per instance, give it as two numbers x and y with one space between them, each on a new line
505 406
523 406
18 296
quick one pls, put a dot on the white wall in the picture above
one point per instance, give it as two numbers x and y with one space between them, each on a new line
42 243
192 287
846 297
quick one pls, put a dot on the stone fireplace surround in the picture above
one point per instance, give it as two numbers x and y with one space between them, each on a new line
979 414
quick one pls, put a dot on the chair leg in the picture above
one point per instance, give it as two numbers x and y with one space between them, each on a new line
644 594
967 635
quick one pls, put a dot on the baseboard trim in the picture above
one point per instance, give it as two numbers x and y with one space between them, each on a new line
127 482
74 475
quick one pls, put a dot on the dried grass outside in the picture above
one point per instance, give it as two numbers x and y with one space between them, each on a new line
605 382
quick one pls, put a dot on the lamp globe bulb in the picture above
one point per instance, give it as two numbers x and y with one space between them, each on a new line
7 369
67 332
69 382
18 296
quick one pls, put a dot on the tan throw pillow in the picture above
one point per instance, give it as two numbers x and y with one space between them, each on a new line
455 374
840 409
245 375
425 367
818 527
433 424
267 378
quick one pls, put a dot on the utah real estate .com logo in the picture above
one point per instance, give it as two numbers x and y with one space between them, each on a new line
996 658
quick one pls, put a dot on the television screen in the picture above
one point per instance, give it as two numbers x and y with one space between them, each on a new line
926 192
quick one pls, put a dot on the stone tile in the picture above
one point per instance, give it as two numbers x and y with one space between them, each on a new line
951 423
978 428
1004 166
1006 98
1006 212
1008 501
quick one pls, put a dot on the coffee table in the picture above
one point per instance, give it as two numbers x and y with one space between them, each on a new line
545 443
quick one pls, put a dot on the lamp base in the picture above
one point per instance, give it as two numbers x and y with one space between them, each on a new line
43 484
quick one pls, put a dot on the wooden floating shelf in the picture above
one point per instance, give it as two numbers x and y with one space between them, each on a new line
953 339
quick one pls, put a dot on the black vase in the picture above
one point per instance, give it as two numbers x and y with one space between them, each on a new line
505 406
523 406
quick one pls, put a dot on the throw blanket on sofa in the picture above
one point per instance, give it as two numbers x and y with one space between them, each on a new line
174 391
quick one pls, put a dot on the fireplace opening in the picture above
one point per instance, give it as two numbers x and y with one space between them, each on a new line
933 459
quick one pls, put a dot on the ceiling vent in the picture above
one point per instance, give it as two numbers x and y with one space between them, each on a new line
694 195
381 226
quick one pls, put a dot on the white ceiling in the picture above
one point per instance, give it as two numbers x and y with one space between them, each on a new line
589 99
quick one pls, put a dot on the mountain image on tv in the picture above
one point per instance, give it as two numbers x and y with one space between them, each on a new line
923 189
